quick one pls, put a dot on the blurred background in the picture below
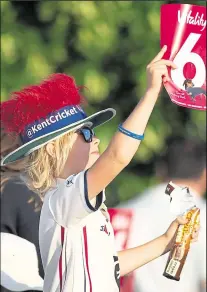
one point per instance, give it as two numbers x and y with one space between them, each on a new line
106 46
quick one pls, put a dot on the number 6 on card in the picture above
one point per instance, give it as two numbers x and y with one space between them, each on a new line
183 30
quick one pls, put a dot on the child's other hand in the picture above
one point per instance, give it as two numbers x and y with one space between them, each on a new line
157 71
170 234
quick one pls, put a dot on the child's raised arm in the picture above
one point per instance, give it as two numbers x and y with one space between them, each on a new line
123 147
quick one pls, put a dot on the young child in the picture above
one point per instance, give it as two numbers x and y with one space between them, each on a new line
65 167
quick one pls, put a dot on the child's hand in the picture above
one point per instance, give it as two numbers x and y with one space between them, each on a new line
157 71
171 232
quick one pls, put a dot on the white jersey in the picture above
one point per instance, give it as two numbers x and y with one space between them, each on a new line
151 218
77 240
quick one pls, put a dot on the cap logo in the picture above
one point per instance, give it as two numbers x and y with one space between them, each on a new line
55 121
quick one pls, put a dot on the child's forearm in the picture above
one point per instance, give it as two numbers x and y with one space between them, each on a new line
133 258
124 147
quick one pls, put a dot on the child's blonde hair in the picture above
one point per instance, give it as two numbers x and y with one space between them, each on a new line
43 169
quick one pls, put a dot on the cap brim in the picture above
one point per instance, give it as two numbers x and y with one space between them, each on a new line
93 121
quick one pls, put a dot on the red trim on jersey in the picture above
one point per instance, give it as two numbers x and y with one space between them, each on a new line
86 255
60 259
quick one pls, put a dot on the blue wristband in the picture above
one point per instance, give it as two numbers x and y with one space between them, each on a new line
130 134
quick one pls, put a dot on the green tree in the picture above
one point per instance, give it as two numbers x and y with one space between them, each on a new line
106 46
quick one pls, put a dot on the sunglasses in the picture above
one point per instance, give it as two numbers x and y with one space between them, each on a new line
87 134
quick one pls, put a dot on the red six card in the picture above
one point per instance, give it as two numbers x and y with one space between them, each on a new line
183 30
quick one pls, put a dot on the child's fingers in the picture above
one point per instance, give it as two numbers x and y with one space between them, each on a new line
197 227
195 236
181 220
165 76
164 79
167 63
195 233
160 54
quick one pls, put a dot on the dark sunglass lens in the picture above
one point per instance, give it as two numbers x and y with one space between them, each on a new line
87 135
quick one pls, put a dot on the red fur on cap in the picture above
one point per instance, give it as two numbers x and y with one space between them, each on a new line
37 101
